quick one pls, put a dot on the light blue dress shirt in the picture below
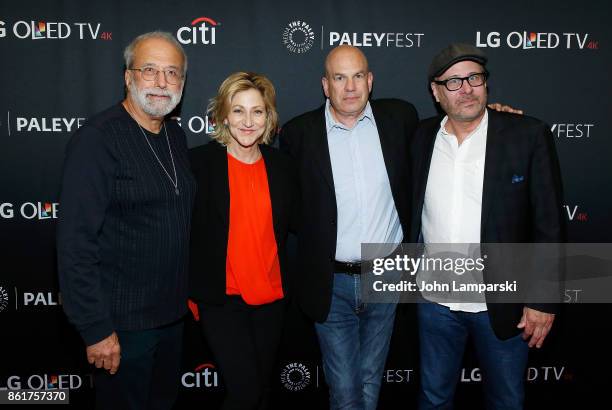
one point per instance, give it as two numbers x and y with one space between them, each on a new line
366 210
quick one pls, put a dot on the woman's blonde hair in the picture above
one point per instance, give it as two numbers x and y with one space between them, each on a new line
219 106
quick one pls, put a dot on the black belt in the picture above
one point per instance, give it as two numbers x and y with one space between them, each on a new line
351 268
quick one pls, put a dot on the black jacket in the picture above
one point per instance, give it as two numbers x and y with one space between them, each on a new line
305 139
525 212
210 222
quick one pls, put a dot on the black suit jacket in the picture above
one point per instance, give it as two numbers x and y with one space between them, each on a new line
305 139
525 212
210 223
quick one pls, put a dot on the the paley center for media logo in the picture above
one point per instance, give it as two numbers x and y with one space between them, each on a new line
202 30
527 40
295 376
4 299
54 30
298 36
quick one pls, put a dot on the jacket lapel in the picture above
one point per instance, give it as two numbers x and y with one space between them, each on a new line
318 137
492 167
220 183
386 143
275 187
422 171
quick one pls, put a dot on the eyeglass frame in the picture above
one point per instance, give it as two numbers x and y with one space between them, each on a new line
484 74
181 76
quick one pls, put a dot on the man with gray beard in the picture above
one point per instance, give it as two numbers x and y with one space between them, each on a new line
123 232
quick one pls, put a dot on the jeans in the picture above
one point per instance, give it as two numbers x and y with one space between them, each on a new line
442 338
354 341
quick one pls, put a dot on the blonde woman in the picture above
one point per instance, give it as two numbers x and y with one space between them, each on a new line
246 200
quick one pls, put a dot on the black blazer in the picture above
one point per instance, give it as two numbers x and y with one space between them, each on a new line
305 139
210 223
526 212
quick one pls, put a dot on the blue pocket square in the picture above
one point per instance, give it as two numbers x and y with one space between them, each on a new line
517 178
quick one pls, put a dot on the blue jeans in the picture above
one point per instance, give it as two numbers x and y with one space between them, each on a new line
354 341
442 338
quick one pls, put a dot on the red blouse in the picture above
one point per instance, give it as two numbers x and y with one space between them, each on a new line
252 266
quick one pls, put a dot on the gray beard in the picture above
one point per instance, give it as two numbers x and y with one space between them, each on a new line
139 97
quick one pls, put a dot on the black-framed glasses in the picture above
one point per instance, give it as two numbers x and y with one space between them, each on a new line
455 83
172 75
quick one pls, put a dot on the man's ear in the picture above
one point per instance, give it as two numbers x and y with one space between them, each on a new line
325 85
127 78
434 91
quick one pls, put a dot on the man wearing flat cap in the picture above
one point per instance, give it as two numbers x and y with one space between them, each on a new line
480 176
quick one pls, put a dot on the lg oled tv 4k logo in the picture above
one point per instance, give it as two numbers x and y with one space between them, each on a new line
202 30
575 213
29 210
56 30
534 374
47 381
532 40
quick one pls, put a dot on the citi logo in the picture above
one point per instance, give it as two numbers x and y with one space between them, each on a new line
530 40
203 376
202 30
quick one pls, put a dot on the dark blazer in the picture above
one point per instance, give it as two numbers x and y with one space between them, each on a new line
210 223
524 212
305 139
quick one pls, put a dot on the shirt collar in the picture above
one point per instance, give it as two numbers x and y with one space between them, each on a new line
483 123
331 122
